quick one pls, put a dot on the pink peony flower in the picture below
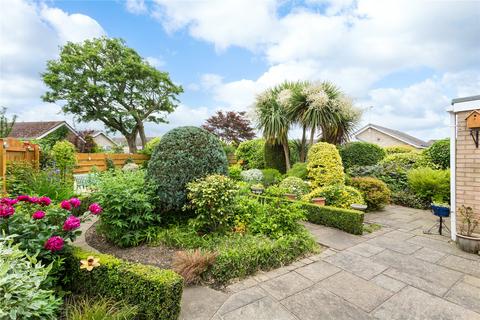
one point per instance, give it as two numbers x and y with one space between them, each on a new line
66 205
38 215
75 202
6 210
23 198
8 201
95 208
44 201
54 243
34 199
71 223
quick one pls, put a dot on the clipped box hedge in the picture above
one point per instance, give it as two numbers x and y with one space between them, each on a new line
156 292
348 220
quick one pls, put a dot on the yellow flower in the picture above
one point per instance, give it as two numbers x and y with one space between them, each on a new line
90 263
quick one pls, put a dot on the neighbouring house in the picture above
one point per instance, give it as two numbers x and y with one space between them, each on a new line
386 137
41 129
103 141
464 158
121 141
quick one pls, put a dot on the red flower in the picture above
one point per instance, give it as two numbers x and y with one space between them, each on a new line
6 210
95 208
34 199
44 201
54 243
8 201
75 202
71 223
38 215
23 198
65 204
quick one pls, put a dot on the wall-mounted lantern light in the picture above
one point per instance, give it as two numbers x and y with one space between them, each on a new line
473 123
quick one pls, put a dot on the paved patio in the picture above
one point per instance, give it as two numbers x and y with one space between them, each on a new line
396 272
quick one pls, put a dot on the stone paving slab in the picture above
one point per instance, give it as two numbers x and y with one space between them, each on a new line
286 285
396 245
318 271
364 294
264 309
201 302
417 282
241 299
412 303
365 249
461 264
316 303
429 255
333 239
388 283
445 247
361 266
465 295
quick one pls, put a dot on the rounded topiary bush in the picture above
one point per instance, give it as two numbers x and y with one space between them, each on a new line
298 170
324 165
439 153
183 155
250 154
271 177
375 192
361 154
339 196
295 185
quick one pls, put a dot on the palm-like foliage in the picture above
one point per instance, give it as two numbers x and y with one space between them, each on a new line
347 118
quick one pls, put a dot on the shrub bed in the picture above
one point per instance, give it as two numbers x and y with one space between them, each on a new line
374 191
348 220
157 293
361 154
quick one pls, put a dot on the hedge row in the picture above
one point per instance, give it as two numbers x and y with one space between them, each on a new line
157 293
348 220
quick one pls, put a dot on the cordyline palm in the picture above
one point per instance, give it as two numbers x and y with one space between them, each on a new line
347 118
272 117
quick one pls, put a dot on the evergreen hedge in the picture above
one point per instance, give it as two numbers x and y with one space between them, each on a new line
361 154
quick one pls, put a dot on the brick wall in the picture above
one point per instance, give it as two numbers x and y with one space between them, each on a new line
467 168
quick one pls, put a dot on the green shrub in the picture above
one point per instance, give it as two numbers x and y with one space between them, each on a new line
150 146
295 186
275 157
212 199
439 153
252 176
324 165
127 210
339 196
183 155
298 170
399 149
98 308
348 220
406 160
22 286
250 154
235 171
63 153
271 177
155 292
361 154
374 191
430 184
407 198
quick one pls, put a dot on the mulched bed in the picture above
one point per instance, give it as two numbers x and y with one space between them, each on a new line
158 256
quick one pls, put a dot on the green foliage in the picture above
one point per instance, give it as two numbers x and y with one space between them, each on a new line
361 154
271 177
183 155
374 191
430 184
127 209
251 154
339 196
63 153
150 146
324 165
6 125
407 198
439 153
88 76
98 308
22 286
348 220
155 292
252 176
235 172
399 149
405 160
212 199
295 185
109 164
275 157
298 170
46 144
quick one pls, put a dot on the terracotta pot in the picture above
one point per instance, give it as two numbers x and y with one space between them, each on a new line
468 244
318 201
290 196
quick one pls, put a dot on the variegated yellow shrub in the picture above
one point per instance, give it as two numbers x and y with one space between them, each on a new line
325 165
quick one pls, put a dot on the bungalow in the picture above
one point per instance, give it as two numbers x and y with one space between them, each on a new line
41 129
386 137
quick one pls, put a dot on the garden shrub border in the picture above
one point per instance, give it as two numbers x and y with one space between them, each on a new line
156 292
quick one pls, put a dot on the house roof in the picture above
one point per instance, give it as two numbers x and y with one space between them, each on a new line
399 135
97 133
37 130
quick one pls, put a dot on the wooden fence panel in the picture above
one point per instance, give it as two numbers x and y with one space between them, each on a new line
86 161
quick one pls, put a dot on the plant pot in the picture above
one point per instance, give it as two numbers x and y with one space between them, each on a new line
440 211
468 243
290 196
318 201
257 191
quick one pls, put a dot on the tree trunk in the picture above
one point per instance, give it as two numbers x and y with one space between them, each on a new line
303 145
132 146
287 155
141 132
312 135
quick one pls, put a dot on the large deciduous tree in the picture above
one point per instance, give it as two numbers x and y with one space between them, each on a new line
103 79
231 127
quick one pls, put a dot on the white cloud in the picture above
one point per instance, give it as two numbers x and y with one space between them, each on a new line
156 62
136 6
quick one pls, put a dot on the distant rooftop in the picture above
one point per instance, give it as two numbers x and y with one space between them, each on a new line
397 134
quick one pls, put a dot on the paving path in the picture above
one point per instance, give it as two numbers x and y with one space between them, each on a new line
396 272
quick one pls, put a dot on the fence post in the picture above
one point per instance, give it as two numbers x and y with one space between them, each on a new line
36 156
3 166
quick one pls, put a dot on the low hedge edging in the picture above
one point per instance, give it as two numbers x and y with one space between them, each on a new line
350 221
156 292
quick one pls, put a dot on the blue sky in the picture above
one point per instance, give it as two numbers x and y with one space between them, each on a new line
406 58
